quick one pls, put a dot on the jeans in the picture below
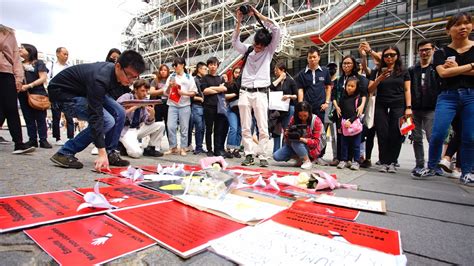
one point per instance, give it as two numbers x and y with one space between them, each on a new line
449 103
291 150
197 122
35 119
454 144
388 132
9 107
354 143
234 137
423 121
284 125
114 121
181 114
216 129
57 121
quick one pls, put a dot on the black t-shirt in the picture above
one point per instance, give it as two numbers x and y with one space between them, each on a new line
233 87
391 91
32 74
460 81
288 86
210 81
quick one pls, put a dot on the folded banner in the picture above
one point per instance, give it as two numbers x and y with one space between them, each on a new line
25 211
90 241
180 228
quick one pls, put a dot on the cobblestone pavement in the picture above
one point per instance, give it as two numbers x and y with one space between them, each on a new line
435 217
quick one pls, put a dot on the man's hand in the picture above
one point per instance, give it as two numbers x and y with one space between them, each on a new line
102 160
239 16
304 140
324 106
151 110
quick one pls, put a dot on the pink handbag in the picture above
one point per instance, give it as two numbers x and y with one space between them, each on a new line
354 129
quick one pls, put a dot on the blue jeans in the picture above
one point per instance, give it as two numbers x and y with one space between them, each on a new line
291 150
114 121
197 122
181 114
284 124
449 103
234 138
350 141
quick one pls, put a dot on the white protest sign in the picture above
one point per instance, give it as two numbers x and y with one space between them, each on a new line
275 102
271 243
360 204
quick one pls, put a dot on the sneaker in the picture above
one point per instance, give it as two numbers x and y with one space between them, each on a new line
115 160
334 162
183 152
209 153
378 163
397 165
45 144
225 154
307 165
366 164
59 142
189 148
22 148
468 180
248 160
263 163
236 154
4 141
355 166
342 165
150 151
172 151
445 165
454 175
392 168
33 143
383 168
196 152
94 151
66 161
416 169
297 162
122 149
424 173
322 162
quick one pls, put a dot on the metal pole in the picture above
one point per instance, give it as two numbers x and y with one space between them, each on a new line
410 49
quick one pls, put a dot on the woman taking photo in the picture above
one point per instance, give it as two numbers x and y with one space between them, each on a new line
455 65
392 84
301 138
35 76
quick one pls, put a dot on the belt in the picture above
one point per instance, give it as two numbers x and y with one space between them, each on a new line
261 89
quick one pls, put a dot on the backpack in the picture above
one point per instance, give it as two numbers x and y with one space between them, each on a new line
322 137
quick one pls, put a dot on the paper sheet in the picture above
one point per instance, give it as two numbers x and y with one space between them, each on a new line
275 102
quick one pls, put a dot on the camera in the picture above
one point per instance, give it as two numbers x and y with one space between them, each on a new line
295 132
245 9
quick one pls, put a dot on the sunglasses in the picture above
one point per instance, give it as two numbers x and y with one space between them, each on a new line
389 55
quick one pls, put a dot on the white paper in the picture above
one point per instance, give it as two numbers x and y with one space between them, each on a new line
95 199
259 182
271 243
157 177
275 102
135 174
237 207
360 204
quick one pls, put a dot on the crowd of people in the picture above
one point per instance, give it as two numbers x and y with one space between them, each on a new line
234 115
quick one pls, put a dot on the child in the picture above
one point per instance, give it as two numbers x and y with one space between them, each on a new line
347 110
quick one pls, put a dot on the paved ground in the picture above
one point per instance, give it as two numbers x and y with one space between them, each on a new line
435 217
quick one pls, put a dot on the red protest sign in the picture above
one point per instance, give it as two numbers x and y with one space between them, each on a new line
187 167
24 211
180 228
128 195
89 241
116 181
325 210
381 239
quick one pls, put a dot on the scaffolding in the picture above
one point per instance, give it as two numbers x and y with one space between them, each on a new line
198 29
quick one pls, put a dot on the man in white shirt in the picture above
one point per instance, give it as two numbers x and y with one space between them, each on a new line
54 68
255 84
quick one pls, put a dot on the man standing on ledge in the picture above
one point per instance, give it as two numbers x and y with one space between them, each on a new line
255 84
84 91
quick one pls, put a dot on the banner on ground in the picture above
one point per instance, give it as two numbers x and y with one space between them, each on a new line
180 228
18 212
88 241
325 210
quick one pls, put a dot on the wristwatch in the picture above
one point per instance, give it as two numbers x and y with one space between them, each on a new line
408 107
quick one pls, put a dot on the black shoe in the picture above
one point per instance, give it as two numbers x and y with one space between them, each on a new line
366 164
4 141
45 144
263 163
66 161
150 151
122 149
196 152
115 160
209 154
224 154
21 148
236 154
248 160
32 143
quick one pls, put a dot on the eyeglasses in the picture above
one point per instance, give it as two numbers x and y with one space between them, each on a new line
129 76
389 55
425 50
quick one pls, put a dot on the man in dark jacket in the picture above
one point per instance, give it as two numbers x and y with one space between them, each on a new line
87 92
424 92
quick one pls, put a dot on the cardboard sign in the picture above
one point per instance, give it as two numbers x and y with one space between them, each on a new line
128 195
89 241
381 239
270 243
360 204
25 211
180 228
171 187
325 210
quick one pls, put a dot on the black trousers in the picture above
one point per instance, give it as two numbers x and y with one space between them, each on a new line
388 132
9 106
56 122
368 135
217 127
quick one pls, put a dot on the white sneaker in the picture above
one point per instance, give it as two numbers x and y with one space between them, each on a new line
454 175
342 165
94 151
307 165
445 165
59 142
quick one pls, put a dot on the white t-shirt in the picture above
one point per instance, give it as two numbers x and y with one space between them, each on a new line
55 68
186 81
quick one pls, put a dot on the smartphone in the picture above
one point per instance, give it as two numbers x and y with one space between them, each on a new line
451 58
363 40
384 69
